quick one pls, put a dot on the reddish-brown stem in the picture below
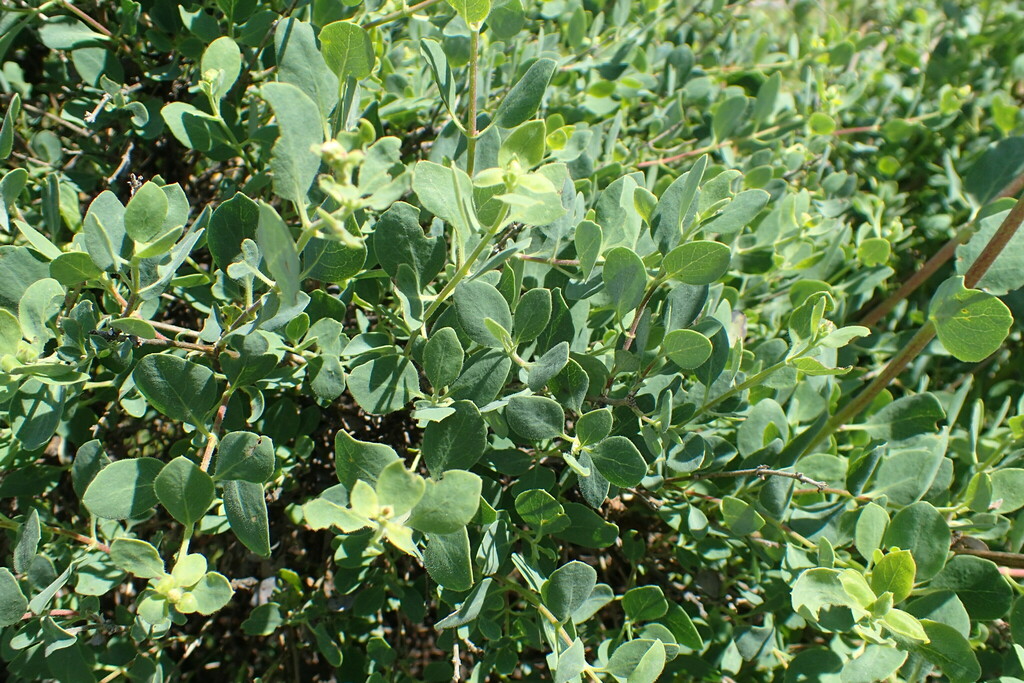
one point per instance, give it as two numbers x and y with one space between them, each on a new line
52 613
87 19
916 280
211 441
631 334
1001 558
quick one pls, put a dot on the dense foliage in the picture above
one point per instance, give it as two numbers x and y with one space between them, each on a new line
511 340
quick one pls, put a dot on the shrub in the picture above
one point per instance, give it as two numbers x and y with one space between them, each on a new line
498 339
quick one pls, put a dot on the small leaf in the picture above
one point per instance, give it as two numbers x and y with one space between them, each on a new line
533 313
123 489
224 59
245 456
301 133
970 323
347 49
644 603
448 560
212 593
567 588
472 11
741 517
72 268
686 348
535 418
523 100
625 279
894 573
13 603
184 490
180 389
360 460
525 144
278 249
144 215
697 263
137 557
399 488
443 357
594 426
619 461
457 441
475 300
246 510
448 504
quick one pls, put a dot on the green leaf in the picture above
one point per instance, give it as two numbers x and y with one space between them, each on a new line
876 663
263 620
871 524
533 313
728 116
448 194
399 488
686 348
472 11
7 127
301 133
523 100
697 263
625 279
448 561
180 389
470 609
571 663
679 622
443 357
588 239
72 268
457 441
535 418
137 557
145 213
212 593
13 603
246 511
540 510
948 650
476 300
300 63
619 461
1007 490
586 528
568 588
448 504
347 49
184 490
278 249
979 585
740 516
677 207
738 213
525 144
644 603
970 323
384 385
820 588
40 304
398 239
232 222
441 72
123 489
547 367
922 530
905 417
360 460
224 59
594 426
246 456
894 573
29 535
650 666
35 413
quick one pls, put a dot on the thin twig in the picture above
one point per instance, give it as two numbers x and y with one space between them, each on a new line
211 441
1003 559
762 472
400 14
125 160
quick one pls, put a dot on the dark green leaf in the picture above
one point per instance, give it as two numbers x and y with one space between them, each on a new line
567 588
123 489
180 389
457 441
246 510
535 418
619 461
524 98
184 490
